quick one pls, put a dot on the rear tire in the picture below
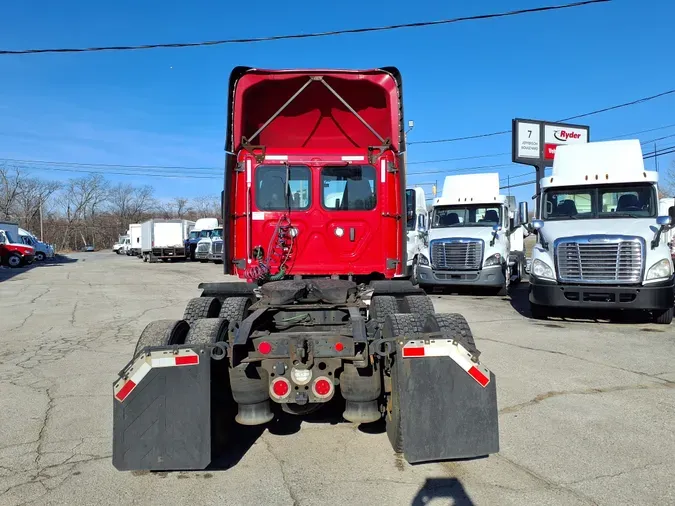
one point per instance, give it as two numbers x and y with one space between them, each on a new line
419 304
381 306
40 256
201 307
456 327
397 325
208 331
664 317
235 309
162 333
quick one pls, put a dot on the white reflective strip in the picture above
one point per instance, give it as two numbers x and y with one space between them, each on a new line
383 171
353 158
248 172
445 348
276 157
164 362
140 373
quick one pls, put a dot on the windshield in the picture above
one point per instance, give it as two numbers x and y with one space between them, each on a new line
466 216
606 201
10 238
205 233
217 233
194 234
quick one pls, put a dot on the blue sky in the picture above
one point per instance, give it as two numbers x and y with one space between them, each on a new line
168 106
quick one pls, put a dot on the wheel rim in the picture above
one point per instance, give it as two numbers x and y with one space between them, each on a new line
40 256
507 275
14 261
415 273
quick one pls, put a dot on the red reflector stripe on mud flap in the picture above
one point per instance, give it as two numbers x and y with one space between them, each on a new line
417 351
125 390
187 360
479 376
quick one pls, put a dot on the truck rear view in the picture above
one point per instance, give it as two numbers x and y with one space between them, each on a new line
314 219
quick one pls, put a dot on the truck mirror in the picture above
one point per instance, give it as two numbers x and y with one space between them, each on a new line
537 224
495 227
663 221
523 214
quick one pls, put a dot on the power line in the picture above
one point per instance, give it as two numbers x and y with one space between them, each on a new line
509 152
104 165
306 35
136 174
586 114
665 151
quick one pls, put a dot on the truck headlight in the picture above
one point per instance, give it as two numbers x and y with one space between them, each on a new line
422 260
541 270
495 259
660 270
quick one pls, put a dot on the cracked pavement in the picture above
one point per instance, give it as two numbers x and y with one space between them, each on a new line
587 409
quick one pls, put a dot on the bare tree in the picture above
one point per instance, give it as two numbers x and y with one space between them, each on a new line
206 207
10 189
34 194
181 206
80 202
129 203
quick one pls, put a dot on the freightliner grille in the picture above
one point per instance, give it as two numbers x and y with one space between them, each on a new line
203 248
457 254
600 260
217 247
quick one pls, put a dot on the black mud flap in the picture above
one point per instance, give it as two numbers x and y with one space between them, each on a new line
446 413
161 413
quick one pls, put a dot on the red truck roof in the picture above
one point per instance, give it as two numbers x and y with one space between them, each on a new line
316 116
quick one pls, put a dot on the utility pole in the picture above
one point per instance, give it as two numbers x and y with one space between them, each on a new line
656 159
41 231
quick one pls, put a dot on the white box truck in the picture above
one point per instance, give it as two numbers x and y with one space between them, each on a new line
134 240
475 237
164 239
601 241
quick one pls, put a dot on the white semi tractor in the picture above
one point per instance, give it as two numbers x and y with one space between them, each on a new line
210 248
601 240
475 236
417 222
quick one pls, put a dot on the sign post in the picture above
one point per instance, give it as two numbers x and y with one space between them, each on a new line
535 142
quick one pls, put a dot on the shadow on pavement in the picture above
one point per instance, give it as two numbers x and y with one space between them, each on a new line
442 488
7 273
519 298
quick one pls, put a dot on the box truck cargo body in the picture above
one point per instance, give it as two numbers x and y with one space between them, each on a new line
162 239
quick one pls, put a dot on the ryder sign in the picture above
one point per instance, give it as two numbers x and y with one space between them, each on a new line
557 135
535 141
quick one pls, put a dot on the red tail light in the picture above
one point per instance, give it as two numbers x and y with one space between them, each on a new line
280 388
322 387
265 348
339 347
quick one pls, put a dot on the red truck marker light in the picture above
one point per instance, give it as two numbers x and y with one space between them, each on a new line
339 347
448 348
280 388
322 387
265 348
142 366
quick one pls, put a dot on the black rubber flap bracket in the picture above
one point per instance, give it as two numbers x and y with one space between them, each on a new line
446 413
163 420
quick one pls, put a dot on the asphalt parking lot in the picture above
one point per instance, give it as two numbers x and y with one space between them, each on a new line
587 409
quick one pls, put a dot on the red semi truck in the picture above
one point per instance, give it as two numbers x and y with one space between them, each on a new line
314 221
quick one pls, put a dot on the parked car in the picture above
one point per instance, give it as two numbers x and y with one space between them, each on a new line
42 250
14 254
